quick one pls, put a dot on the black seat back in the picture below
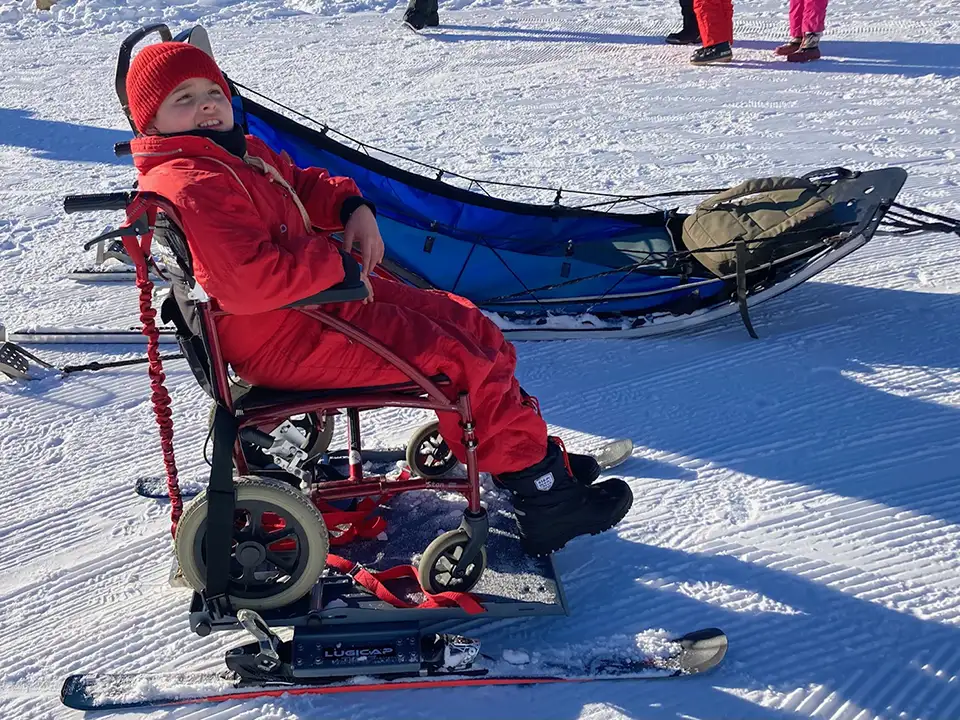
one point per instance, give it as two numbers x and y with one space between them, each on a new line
178 307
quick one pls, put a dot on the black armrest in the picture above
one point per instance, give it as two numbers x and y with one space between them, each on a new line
350 290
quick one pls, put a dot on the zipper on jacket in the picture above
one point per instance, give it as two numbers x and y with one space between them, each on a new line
158 154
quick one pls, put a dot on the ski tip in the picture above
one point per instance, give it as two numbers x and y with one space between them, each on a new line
155 488
702 650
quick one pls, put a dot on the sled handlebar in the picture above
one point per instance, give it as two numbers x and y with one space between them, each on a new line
97 201
123 61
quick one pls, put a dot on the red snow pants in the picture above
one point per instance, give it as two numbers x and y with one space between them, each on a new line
715 18
436 332
807 16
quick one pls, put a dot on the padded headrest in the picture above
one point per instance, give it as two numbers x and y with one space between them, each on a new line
197 36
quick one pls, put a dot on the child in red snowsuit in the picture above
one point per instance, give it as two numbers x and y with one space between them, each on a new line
807 21
715 18
258 230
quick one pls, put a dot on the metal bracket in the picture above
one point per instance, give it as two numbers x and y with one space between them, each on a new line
476 526
267 659
140 226
285 447
115 251
15 361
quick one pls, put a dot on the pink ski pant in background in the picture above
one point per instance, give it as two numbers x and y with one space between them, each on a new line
807 16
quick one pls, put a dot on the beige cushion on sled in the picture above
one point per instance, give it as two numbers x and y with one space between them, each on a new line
757 210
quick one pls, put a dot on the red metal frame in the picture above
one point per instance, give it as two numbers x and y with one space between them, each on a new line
424 392
357 486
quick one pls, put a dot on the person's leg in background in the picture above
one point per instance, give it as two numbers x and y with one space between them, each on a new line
813 23
796 29
689 34
715 18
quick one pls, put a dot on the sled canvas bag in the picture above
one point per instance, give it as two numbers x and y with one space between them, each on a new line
775 217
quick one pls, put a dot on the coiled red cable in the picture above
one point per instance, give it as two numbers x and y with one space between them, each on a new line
140 253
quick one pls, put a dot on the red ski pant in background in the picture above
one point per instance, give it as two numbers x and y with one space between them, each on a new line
436 332
715 18
807 16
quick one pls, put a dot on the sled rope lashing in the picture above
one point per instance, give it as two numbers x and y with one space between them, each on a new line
906 220
438 172
654 258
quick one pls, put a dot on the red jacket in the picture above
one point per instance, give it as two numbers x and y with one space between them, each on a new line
252 250
253 253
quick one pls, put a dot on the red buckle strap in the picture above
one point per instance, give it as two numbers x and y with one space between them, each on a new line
373 581
346 526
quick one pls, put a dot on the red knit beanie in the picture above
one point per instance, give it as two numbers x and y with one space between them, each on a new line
158 70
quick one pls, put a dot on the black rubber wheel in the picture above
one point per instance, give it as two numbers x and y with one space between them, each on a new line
428 454
441 556
280 544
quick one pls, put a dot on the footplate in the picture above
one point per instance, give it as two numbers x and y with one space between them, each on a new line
15 361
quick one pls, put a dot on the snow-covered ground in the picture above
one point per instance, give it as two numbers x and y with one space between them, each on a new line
801 491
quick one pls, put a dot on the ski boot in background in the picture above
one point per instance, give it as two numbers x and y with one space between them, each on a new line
719 53
809 49
421 14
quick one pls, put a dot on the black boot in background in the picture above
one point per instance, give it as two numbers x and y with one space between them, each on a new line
421 14
690 33
553 507
719 53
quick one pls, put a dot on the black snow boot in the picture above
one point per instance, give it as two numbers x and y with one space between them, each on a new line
719 53
553 507
690 33
421 14
585 468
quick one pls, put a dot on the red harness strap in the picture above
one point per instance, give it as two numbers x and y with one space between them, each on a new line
373 581
345 526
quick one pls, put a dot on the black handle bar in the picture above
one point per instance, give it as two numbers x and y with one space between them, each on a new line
97 201
123 61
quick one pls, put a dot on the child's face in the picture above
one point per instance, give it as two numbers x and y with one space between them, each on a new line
197 103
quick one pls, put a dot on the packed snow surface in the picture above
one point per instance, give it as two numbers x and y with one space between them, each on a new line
801 491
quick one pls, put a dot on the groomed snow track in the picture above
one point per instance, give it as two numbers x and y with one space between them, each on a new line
800 492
